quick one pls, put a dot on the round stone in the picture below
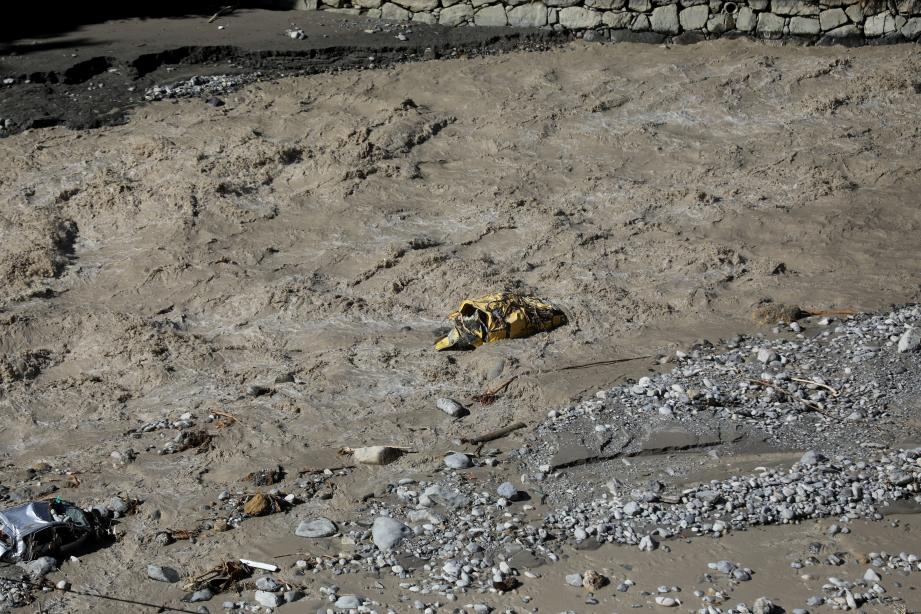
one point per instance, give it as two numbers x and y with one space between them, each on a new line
458 460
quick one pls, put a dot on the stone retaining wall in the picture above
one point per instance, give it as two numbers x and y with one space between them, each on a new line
820 21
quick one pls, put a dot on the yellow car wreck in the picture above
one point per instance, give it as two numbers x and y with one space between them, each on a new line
504 315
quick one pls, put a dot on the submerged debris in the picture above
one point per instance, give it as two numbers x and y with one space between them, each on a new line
41 528
505 315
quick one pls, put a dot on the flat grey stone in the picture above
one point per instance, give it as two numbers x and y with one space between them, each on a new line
804 26
348 602
794 7
491 16
770 24
618 20
695 17
318 527
204 594
665 19
162 574
395 13
832 18
455 15
578 18
523 16
268 600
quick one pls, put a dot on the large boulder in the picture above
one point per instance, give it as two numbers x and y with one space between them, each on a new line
794 7
721 22
912 28
665 19
847 31
610 4
879 24
617 20
804 26
832 18
491 16
695 17
745 19
578 18
417 5
395 13
528 16
455 15
640 24
770 25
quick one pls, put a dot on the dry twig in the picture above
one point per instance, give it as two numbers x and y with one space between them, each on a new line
833 392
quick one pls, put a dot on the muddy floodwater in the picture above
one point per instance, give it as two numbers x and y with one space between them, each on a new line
284 264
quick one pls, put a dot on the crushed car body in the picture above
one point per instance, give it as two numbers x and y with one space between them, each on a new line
48 528
504 315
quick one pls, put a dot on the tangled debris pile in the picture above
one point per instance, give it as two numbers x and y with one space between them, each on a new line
14 594
201 86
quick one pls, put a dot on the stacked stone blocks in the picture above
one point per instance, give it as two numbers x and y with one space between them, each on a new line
686 20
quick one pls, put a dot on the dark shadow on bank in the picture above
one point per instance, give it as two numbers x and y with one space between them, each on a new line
54 18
